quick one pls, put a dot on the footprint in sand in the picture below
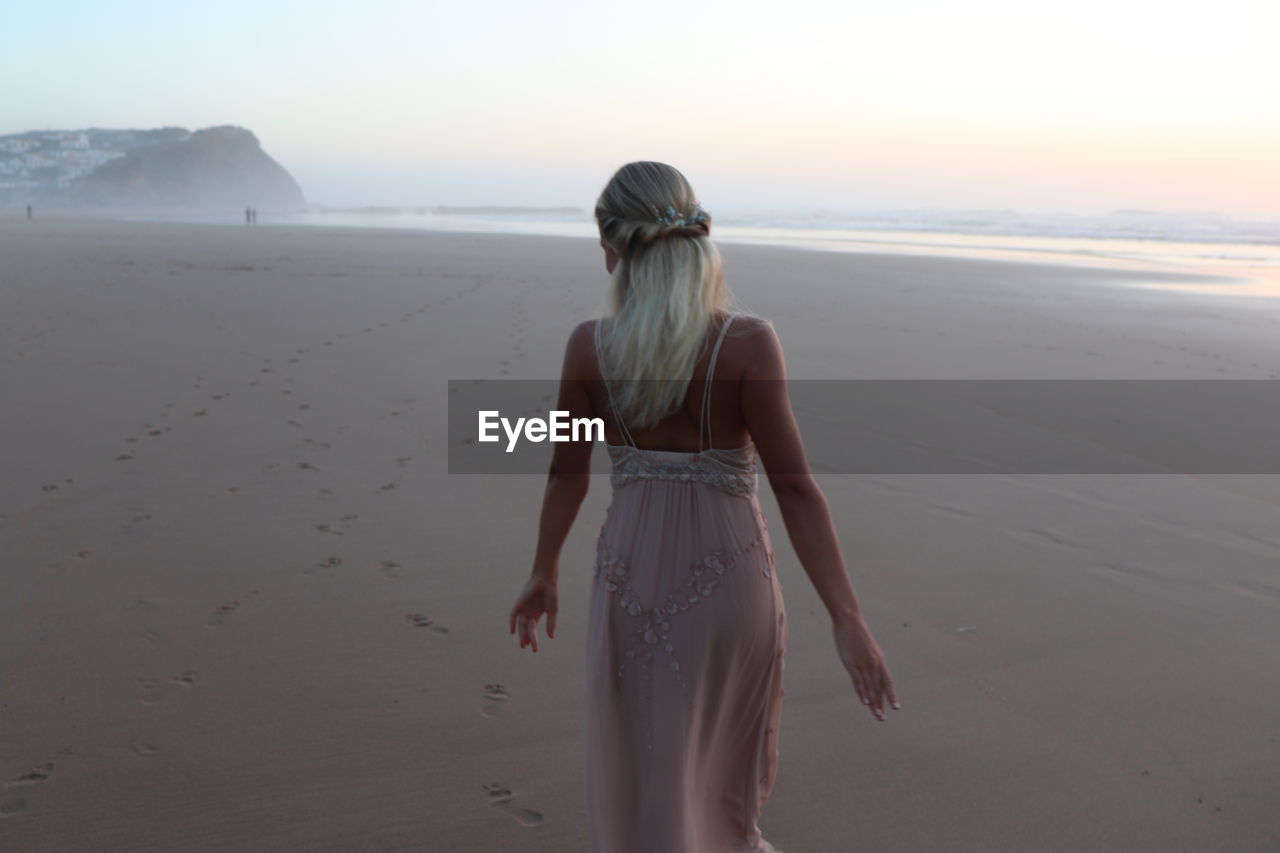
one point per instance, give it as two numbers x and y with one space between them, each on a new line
33 776
391 568
501 798
124 457
386 487
494 695
417 620
157 690
1037 537
327 563
128 529
224 611
200 413
49 487
949 509
402 461
321 527
144 750
11 801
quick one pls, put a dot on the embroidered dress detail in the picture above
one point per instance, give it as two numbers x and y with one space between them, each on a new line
733 471
686 639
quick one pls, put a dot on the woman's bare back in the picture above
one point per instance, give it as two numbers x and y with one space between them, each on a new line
678 432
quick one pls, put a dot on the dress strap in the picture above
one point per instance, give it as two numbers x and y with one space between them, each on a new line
704 422
617 415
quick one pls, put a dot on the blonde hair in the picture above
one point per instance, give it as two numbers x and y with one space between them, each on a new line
667 286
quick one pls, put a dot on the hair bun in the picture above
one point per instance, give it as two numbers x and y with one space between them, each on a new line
689 229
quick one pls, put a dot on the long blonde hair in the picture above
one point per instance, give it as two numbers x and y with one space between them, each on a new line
667 286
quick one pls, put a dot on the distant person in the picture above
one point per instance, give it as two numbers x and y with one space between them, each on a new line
28 211
687 629
247 216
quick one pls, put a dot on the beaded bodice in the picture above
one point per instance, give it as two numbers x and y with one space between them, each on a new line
732 471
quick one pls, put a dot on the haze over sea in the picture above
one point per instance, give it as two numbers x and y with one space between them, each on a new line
1230 246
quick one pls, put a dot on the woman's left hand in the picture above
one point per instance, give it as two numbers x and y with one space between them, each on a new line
539 597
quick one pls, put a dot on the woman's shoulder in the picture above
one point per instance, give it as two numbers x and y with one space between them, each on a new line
585 333
750 332
745 325
751 345
580 350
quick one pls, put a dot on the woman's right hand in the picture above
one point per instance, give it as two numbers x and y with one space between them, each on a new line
538 597
862 657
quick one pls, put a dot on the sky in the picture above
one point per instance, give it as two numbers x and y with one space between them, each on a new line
1086 106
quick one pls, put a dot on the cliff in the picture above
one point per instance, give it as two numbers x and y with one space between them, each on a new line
216 167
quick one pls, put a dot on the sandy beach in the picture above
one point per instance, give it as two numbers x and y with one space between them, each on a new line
244 607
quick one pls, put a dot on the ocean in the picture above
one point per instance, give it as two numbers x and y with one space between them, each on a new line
1178 239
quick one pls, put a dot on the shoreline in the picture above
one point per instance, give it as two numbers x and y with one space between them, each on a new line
1200 277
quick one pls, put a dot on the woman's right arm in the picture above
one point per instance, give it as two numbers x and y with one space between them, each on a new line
767 409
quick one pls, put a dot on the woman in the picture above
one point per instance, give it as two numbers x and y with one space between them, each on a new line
687 628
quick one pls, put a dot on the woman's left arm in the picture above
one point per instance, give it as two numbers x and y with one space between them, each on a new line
567 484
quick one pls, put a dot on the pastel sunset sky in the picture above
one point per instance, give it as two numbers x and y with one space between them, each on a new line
1083 106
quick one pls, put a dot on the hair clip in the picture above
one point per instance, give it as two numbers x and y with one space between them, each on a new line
679 220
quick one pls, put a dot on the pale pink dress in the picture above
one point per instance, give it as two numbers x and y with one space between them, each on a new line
685 645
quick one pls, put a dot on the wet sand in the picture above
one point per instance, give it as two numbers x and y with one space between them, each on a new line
244 607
